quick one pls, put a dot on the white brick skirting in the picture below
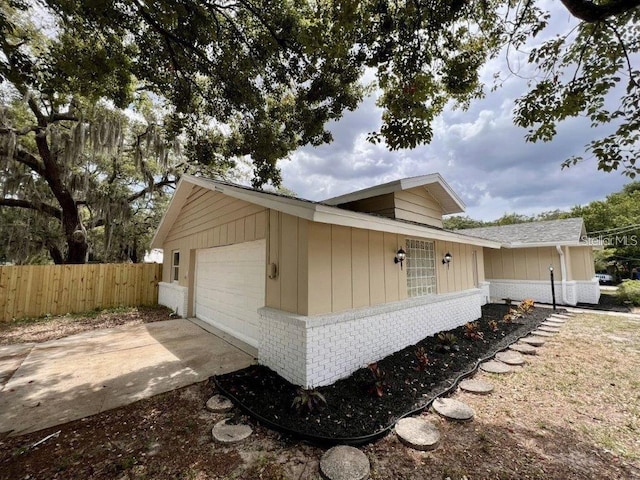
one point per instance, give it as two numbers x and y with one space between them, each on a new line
318 350
540 291
486 292
588 291
173 296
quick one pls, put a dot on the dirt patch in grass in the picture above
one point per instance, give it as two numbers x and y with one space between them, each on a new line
571 413
43 329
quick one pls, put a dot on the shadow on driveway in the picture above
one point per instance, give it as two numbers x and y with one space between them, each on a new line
63 380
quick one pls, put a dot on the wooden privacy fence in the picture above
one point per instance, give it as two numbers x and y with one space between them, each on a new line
36 290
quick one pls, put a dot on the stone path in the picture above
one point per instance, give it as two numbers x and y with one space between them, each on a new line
493 366
510 357
452 409
349 463
417 433
344 463
219 404
229 433
547 328
474 385
524 348
543 334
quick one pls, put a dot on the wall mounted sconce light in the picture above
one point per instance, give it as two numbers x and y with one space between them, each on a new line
400 256
447 259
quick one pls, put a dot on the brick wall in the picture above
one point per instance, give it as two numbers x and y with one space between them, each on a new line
540 291
318 350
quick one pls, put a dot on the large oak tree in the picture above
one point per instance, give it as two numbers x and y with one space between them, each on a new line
260 78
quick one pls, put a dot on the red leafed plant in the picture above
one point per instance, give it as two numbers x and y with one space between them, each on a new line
423 360
472 331
378 385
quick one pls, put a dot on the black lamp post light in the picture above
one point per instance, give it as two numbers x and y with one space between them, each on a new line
553 288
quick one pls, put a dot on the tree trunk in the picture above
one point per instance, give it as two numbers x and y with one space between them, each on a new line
74 232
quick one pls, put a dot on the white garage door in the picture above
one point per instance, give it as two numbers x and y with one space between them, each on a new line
230 288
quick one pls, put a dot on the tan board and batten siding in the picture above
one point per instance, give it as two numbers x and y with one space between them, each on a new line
415 205
321 268
418 205
211 219
533 263
329 268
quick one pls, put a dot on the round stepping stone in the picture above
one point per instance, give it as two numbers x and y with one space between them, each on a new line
344 463
510 357
224 433
556 320
545 328
453 409
540 333
474 385
219 404
417 433
549 323
535 341
523 348
495 367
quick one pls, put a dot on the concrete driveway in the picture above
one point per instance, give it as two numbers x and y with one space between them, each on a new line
47 384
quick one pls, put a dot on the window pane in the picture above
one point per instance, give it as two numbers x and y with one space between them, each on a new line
421 268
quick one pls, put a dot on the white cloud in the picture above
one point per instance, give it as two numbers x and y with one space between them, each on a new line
479 152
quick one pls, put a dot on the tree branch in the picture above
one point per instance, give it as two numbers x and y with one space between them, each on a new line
590 12
31 205
30 160
144 191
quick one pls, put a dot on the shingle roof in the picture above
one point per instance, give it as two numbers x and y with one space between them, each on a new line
566 231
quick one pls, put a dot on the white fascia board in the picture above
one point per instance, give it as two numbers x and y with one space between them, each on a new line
183 190
309 211
426 180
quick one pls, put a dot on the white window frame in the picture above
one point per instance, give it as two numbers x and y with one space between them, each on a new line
175 266
421 267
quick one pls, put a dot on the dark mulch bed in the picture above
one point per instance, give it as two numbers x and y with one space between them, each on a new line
352 409
608 301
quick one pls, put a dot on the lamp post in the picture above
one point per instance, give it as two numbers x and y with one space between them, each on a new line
553 288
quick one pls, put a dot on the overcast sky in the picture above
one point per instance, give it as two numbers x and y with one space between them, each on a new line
480 153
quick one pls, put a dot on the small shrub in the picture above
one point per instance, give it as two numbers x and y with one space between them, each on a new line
308 400
423 360
447 342
629 292
471 330
493 325
378 385
512 315
526 305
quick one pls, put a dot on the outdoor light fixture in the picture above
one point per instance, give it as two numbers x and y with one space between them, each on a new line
447 259
400 256
553 288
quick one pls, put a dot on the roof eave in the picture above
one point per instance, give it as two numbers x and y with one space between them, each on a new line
309 211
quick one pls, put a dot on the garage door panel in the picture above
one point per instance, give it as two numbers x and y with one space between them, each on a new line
230 288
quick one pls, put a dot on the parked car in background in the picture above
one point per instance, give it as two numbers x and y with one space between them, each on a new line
605 278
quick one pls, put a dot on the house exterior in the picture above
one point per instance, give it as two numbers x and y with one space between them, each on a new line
520 269
314 289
